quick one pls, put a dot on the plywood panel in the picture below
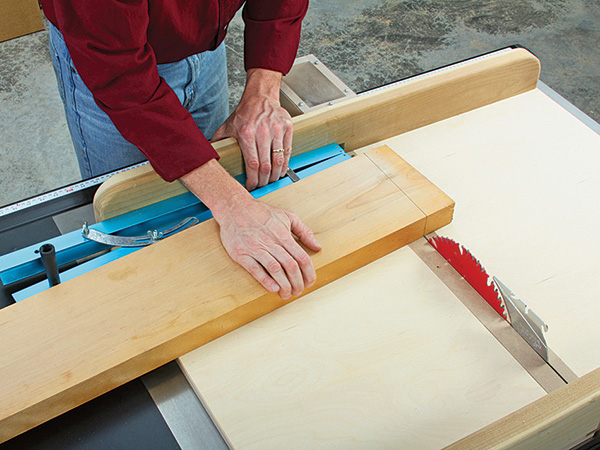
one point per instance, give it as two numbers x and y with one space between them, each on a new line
93 333
385 357
524 173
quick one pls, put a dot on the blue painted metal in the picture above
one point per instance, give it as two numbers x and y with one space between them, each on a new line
72 246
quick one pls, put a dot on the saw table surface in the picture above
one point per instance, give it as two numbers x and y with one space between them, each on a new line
524 173
388 357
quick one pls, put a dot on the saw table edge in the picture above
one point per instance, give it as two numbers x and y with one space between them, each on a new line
356 122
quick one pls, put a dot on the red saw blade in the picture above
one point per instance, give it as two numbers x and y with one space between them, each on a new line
471 269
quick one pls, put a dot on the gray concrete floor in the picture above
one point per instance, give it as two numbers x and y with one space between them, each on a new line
367 43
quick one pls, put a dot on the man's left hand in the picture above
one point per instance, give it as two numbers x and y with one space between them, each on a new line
262 128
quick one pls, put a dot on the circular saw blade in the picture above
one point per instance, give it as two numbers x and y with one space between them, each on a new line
471 270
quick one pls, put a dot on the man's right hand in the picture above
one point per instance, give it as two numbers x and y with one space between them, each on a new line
259 238
256 235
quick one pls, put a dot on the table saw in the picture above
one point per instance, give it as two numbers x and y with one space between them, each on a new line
395 349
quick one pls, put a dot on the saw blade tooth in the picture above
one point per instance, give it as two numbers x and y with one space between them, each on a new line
501 300
493 296
434 241
471 270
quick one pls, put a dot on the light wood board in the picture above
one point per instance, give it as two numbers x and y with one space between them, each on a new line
560 420
524 173
91 334
356 122
386 357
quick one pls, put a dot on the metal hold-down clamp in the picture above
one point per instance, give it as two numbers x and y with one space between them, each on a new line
135 241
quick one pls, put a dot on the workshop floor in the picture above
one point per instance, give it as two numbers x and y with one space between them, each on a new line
367 43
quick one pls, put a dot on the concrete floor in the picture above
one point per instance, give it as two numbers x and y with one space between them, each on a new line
367 43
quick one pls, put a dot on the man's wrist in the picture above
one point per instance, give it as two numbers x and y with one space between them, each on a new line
263 82
218 190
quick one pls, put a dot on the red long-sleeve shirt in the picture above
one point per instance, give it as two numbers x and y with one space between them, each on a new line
115 46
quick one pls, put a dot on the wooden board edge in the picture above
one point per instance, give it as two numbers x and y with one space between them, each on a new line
561 419
362 120
116 195
419 101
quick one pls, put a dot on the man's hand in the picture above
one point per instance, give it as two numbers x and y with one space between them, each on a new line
257 236
261 125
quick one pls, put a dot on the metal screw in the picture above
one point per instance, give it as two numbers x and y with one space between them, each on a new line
316 62
330 103
346 90
301 104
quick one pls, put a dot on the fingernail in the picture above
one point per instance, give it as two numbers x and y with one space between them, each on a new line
274 287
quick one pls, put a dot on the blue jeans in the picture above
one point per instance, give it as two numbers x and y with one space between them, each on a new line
199 81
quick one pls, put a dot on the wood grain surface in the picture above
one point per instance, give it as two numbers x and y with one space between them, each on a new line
356 122
91 334
524 173
383 358
560 420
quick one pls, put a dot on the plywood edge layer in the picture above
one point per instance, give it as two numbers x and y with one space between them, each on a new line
98 331
561 419
363 120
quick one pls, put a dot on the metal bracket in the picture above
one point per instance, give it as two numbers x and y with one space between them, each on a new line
527 323
135 241
293 176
